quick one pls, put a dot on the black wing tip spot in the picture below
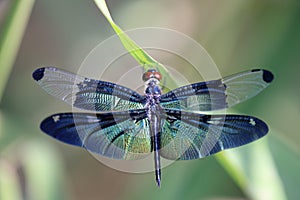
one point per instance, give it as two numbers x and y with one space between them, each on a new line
256 70
267 75
38 74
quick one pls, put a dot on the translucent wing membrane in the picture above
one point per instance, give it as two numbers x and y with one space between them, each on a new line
189 135
245 85
218 94
87 93
119 135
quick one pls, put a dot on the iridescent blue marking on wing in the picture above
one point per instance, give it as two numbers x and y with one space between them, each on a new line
218 94
87 93
118 135
189 135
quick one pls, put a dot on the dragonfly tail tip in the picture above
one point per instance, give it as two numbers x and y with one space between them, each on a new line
158 183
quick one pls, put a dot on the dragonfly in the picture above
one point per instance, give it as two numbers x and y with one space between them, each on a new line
127 125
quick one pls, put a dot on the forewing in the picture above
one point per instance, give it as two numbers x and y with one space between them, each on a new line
87 93
218 94
187 136
119 135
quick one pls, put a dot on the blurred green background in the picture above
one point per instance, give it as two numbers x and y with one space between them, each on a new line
239 35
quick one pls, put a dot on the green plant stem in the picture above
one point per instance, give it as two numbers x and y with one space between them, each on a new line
11 36
142 57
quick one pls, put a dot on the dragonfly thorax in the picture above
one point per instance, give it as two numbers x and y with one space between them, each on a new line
153 90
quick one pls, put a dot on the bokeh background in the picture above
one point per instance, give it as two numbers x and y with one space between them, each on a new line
238 35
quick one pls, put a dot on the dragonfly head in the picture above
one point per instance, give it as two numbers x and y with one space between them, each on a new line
151 73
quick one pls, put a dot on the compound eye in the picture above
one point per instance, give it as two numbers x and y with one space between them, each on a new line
157 75
147 75
151 73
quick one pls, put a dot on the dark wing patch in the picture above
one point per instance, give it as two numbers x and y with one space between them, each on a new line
203 96
119 135
187 136
218 94
88 94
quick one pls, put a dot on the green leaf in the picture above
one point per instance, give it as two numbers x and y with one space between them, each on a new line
11 34
142 57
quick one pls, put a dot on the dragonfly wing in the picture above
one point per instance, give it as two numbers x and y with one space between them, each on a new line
87 93
218 94
187 136
119 135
